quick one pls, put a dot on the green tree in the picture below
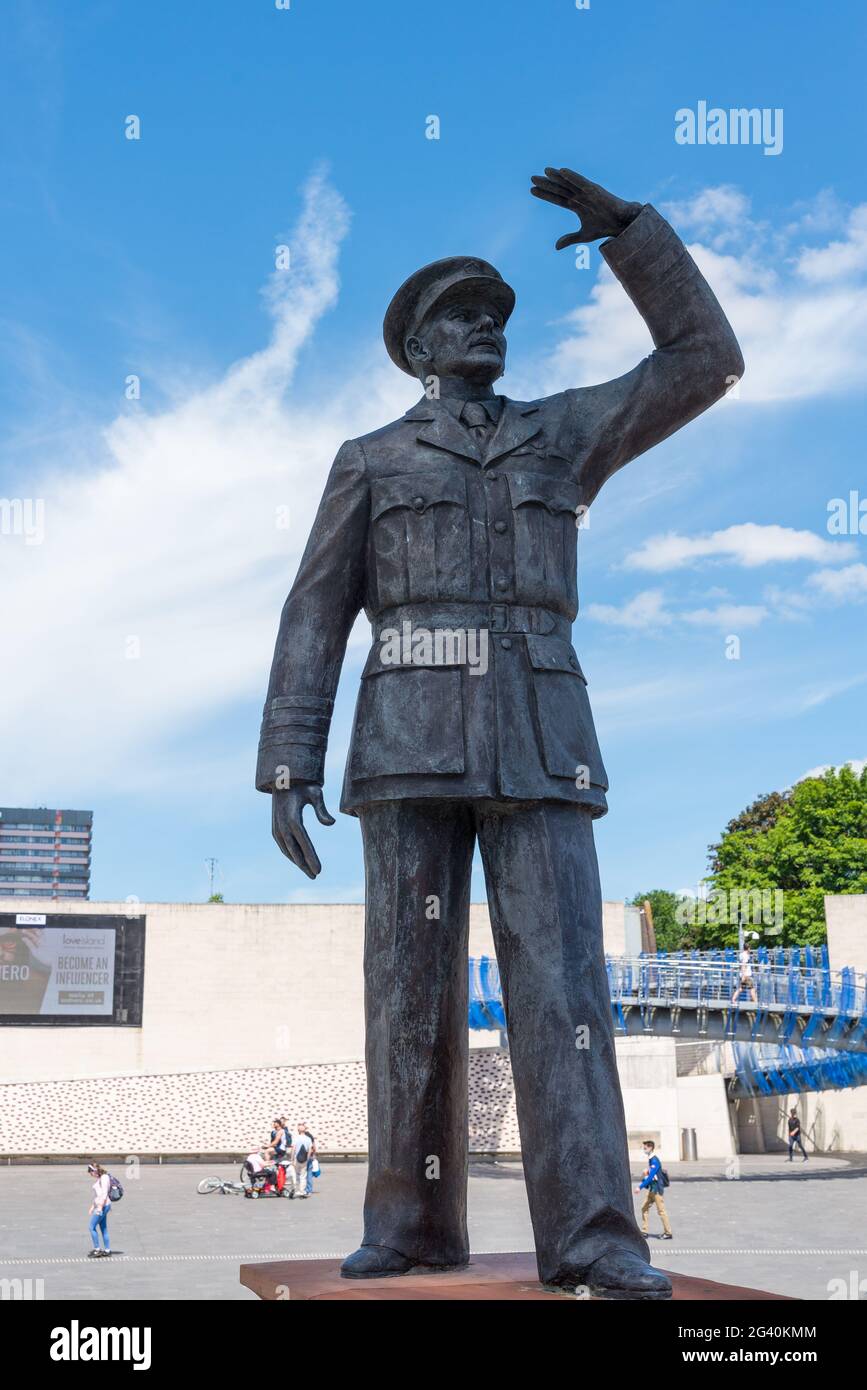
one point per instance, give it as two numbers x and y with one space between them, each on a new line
671 935
760 816
216 898
806 842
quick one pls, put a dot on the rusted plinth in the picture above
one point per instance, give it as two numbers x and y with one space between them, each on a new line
488 1278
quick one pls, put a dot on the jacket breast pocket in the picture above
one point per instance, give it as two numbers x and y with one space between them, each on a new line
421 537
409 719
545 514
564 720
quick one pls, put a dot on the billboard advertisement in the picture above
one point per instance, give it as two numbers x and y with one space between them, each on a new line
59 968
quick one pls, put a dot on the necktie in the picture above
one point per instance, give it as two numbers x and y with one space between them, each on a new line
477 421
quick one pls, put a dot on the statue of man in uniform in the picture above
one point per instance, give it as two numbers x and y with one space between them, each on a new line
460 519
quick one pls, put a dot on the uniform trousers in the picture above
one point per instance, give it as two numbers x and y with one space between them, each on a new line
546 914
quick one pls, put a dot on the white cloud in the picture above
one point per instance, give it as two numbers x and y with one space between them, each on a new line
718 214
171 537
821 588
747 544
723 204
802 335
816 695
728 616
857 765
839 259
822 213
165 526
646 610
842 585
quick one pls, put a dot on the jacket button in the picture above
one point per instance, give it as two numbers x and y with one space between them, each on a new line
499 527
418 503
502 584
492 477
573 661
506 643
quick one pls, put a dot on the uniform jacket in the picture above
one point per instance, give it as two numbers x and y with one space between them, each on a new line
426 535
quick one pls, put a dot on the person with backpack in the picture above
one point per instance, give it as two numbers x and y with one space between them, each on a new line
280 1138
302 1152
99 1209
312 1160
654 1183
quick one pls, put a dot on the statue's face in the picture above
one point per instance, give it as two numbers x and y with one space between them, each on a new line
463 339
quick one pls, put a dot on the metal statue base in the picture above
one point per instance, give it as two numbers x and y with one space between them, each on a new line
487 1278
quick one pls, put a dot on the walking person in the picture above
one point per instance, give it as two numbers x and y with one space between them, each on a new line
653 1185
795 1135
745 976
99 1210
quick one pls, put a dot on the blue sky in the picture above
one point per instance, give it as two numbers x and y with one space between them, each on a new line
307 127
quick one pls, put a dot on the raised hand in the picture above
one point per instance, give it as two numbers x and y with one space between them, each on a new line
601 214
287 826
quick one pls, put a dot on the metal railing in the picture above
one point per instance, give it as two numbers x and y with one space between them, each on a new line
766 1070
671 982
486 995
678 982
784 1003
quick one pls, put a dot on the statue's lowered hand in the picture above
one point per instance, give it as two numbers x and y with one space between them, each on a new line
602 214
287 825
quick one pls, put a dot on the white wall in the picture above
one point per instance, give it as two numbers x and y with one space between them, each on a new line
659 1103
832 1121
846 918
702 1105
240 986
225 983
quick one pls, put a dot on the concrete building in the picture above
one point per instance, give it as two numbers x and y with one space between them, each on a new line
846 918
44 853
253 1010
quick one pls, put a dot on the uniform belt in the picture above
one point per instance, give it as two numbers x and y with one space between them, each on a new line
496 617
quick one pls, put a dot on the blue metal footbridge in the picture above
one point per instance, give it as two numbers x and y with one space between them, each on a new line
797 1026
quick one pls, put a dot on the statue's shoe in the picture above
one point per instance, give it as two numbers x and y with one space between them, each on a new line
619 1274
374 1262
380 1262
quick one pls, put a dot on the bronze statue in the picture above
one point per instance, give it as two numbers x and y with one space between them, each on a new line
454 528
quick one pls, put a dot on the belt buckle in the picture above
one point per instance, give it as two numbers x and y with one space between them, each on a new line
499 617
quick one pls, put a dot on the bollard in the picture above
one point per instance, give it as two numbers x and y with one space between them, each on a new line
688 1146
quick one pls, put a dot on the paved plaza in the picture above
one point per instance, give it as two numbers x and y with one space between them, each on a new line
786 1228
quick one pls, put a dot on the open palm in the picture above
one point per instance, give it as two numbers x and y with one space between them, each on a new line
601 213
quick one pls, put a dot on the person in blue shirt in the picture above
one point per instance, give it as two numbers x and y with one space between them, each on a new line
653 1189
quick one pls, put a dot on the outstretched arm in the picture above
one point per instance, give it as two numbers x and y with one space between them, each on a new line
696 356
